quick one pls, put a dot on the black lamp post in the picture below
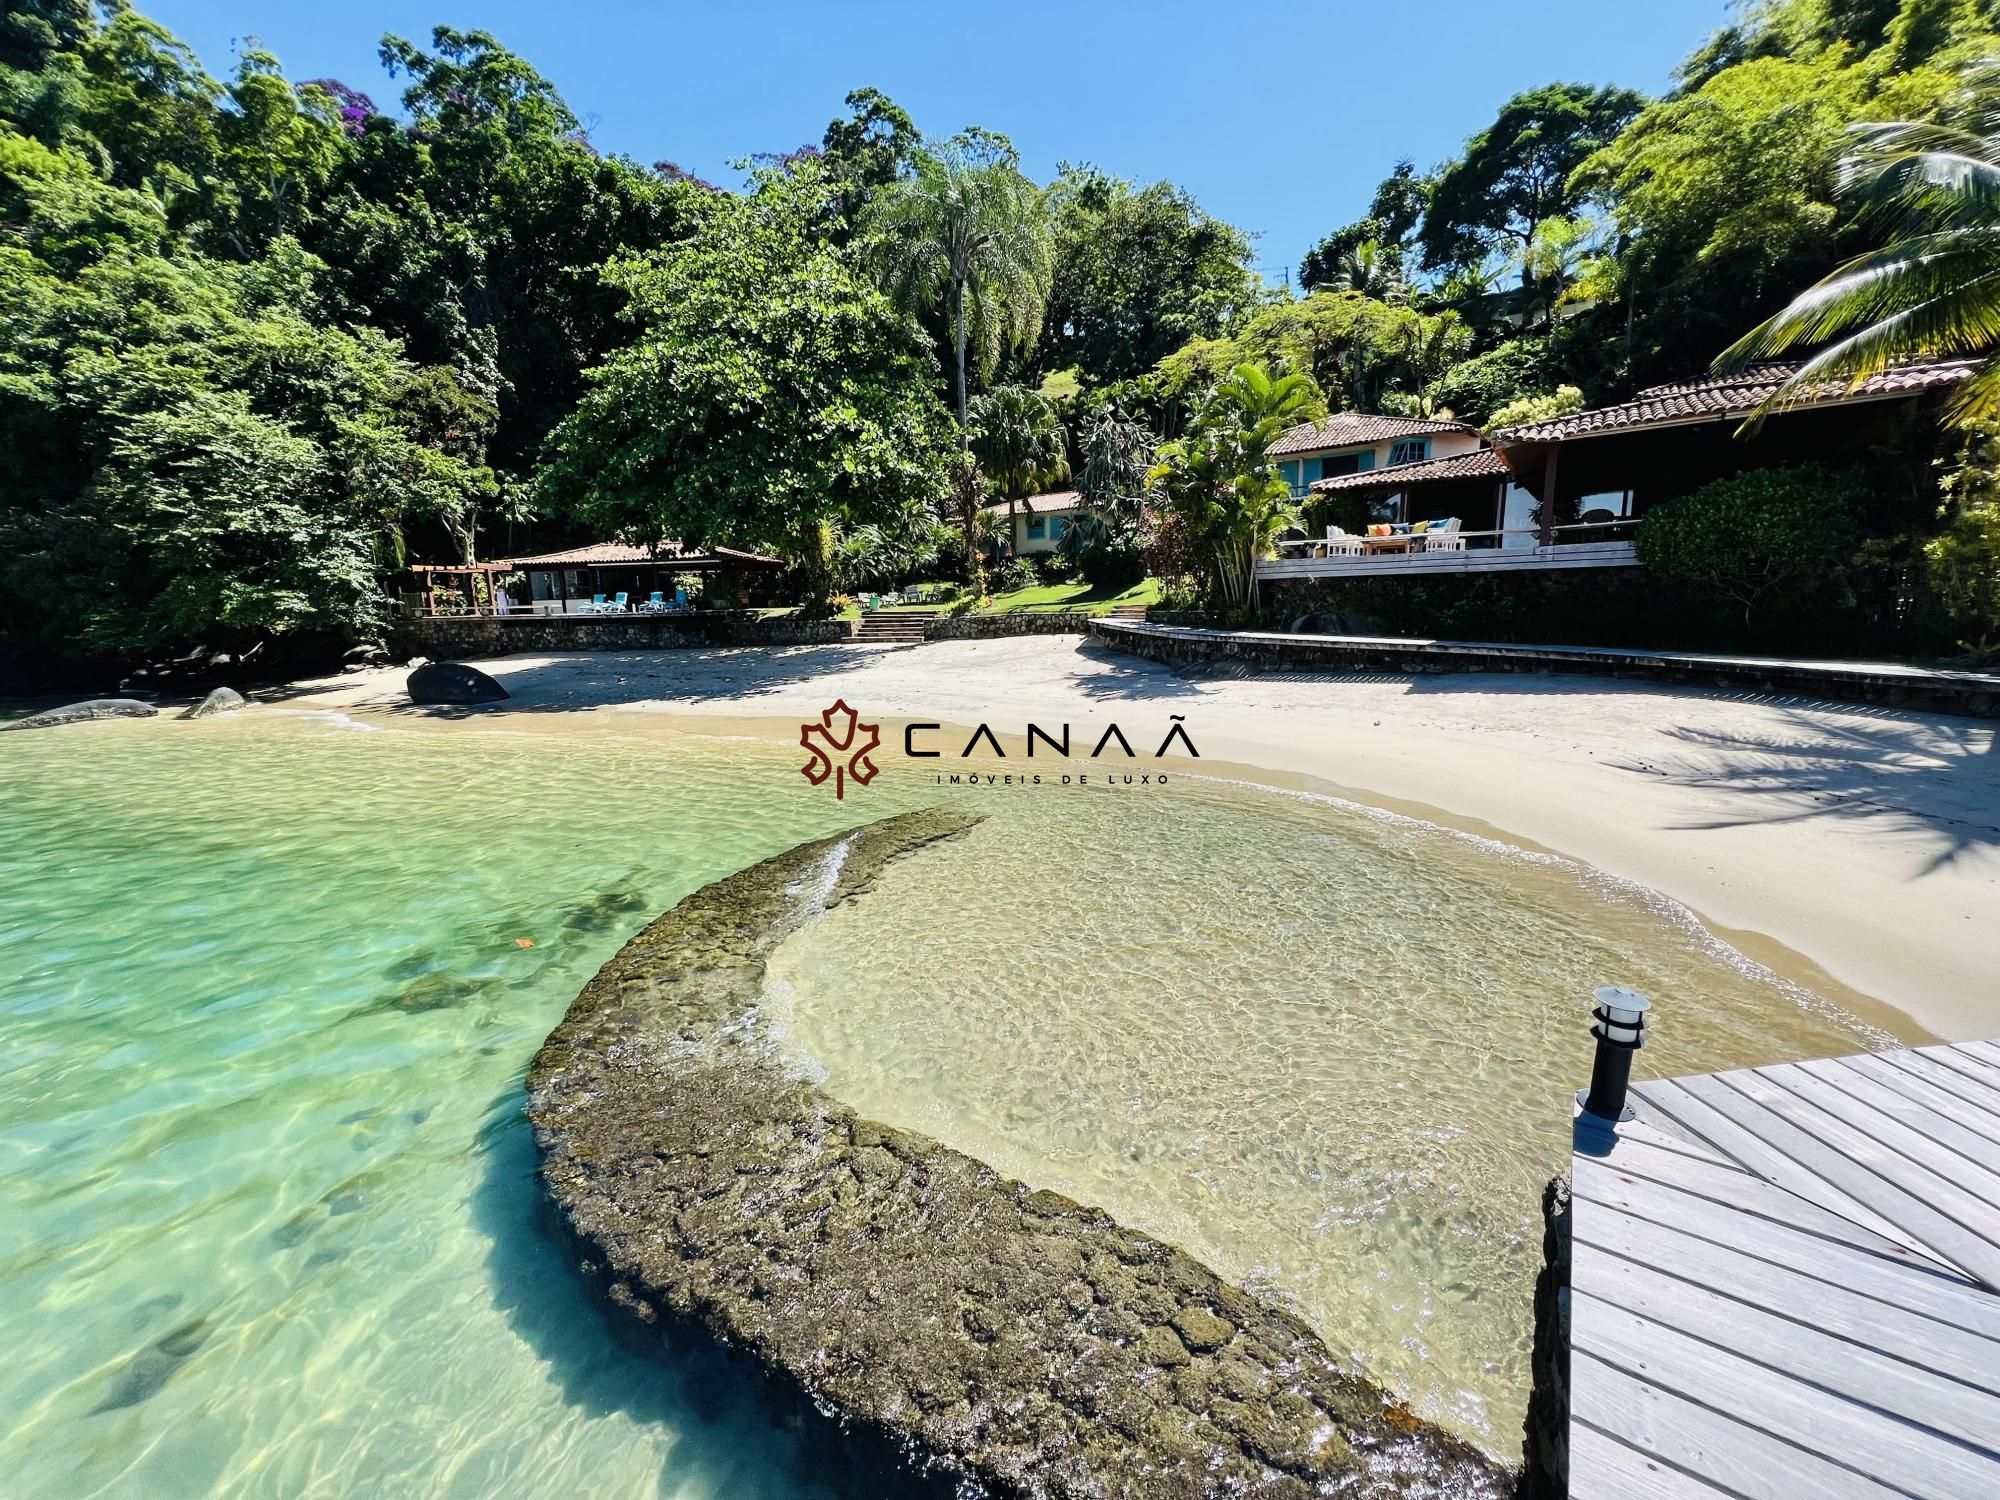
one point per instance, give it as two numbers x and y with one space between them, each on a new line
1619 1024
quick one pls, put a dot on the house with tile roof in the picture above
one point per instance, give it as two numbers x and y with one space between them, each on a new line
1571 491
1042 521
1352 442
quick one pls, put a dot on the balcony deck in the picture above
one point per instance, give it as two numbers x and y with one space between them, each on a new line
1586 545
1466 560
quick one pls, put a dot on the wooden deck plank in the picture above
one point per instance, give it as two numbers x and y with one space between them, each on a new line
1656 1429
1944 1218
1842 1312
1919 1090
1844 1432
1751 1195
1952 1082
1816 1314
1602 1467
1896 1276
1961 1061
1941 1131
1664 1135
1798 1351
1692 1103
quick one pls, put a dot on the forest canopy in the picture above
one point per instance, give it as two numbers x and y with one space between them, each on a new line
264 340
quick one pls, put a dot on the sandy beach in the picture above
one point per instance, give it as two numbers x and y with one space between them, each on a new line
1852 847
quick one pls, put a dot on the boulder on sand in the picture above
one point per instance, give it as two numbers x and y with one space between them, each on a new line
222 701
453 682
90 708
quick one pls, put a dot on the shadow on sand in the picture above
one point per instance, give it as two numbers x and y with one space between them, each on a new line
1889 771
737 1432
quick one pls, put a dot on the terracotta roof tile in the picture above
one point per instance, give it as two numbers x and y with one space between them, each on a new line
1041 505
1732 395
1348 429
1459 466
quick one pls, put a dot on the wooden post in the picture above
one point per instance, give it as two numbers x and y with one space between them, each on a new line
1549 497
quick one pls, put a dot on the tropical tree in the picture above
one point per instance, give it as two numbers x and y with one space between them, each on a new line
1392 219
1137 272
1355 348
1934 287
1221 480
1118 460
774 398
1019 443
1371 270
968 235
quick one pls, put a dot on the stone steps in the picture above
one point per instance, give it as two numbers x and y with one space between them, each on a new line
895 626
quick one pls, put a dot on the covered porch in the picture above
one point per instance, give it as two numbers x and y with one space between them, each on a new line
604 578
1463 514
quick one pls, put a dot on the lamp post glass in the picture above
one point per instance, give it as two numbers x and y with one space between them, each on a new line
1619 1018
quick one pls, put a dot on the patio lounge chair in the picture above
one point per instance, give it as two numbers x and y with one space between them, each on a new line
618 603
656 604
595 607
1341 543
1443 536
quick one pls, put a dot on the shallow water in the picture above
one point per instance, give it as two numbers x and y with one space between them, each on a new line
1330 1050
267 1209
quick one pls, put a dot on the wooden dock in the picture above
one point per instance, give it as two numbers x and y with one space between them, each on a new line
1785 1283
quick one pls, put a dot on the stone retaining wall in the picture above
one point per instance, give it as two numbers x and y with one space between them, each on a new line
982 627
1889 683
447 637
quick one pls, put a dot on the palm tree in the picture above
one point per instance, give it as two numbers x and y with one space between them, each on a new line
967 233
1019 442
1373 270
1222 479
1933 289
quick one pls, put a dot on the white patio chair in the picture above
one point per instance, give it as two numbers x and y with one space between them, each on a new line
1443 536
1341 543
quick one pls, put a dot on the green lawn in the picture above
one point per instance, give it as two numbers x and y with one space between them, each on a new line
1046 598
1040 598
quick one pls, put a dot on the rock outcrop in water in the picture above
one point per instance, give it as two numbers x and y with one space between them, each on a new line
84 712
1031 1343
221 701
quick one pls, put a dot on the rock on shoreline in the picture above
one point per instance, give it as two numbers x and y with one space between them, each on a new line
1017 1337
84 712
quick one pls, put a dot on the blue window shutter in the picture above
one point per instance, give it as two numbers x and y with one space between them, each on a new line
1364 461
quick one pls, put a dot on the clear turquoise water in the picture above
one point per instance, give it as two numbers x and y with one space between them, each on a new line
267 1209
267 1206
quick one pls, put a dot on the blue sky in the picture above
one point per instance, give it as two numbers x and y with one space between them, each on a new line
1278 117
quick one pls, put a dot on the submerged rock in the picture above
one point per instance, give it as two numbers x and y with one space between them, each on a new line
453 682
1017 1337
80 713
222 701
152 1367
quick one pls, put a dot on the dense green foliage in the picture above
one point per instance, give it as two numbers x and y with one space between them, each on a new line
758 337
1138 272
1221 483
261 341
1934 286
1765 538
